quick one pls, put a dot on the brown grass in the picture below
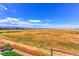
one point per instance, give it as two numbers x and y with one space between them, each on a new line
65 39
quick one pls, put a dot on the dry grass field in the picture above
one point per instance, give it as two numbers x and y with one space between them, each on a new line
66 40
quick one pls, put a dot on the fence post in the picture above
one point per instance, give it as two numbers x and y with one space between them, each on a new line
51 51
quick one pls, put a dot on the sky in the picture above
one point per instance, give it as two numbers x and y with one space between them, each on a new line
39 15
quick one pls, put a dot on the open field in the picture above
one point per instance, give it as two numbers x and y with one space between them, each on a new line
62 39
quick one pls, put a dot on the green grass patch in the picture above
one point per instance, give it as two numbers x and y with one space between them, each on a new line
10 53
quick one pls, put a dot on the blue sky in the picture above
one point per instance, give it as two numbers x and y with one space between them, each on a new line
39 15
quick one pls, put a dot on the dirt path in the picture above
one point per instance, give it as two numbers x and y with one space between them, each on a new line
56 53
61 52
22 53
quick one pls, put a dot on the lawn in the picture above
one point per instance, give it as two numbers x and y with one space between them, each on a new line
10 53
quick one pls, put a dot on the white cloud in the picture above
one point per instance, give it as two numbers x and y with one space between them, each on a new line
34 20
2 7
17 22
9 20
12 21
